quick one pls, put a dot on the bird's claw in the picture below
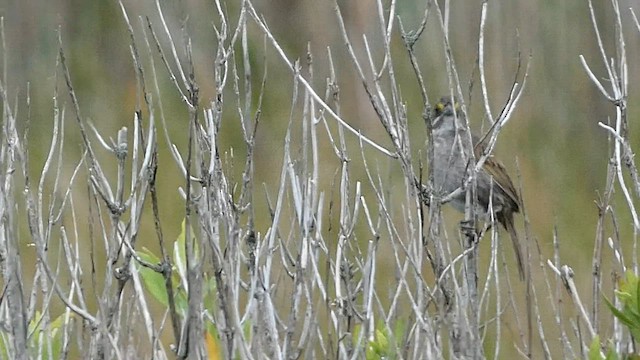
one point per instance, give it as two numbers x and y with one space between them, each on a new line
468 228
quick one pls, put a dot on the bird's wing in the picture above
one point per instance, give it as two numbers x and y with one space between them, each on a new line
497 171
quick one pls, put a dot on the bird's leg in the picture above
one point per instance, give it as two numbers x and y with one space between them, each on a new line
484 230
468 228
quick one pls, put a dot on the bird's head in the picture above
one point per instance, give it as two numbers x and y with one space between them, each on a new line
446 106
443 113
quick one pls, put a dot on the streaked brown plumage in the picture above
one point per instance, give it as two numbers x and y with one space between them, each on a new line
450 165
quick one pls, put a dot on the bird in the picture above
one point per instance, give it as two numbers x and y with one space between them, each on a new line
450 166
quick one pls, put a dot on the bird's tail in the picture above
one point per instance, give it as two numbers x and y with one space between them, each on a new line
509 226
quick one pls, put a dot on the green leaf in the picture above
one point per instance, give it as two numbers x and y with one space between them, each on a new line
594 349
210 293
152 280
617 313
637 296
148 256
399 331
179 255
629 296
3 348
155 284
382 341
52 338
611 354
182 303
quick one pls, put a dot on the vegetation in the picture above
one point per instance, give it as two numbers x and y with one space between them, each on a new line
251 180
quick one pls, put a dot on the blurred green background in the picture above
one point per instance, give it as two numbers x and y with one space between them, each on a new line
553 135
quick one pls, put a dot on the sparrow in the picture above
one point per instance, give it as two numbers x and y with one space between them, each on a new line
451 163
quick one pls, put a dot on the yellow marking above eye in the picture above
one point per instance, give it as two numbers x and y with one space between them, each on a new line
457 105
440 106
